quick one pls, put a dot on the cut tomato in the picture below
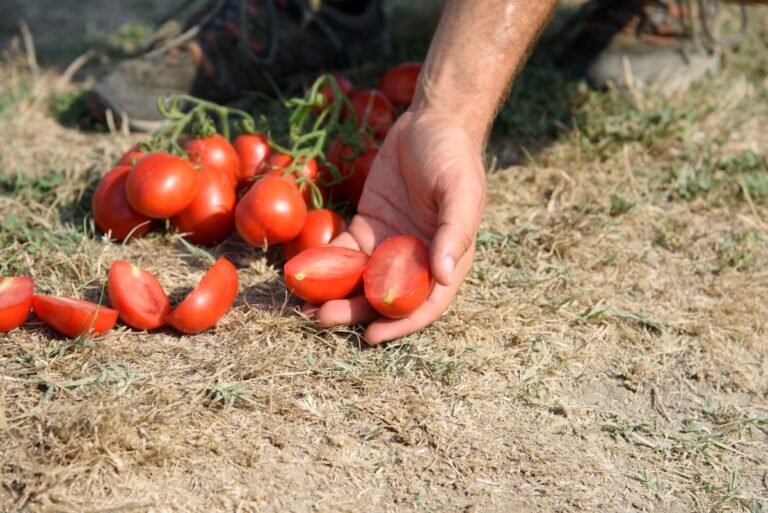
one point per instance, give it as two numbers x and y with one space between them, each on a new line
73 317
15 301
210 300
324 273
397 280
320 228
137 296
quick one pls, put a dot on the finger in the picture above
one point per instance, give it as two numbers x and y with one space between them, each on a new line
355 310
345 240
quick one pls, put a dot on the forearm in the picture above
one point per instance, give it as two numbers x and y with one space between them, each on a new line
478 47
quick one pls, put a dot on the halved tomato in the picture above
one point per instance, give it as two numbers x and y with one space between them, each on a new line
73 317
210 300
111 210
15 301
324 273
320 228
137 296
210 218
399 83
271 212
398 280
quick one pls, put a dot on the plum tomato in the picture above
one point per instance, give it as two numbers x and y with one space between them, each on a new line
130 157
320 228
345 86
397 279
137 296
271 212
253 150
209 301
111 210
325 273
161 185
15 301
73 317
214 152
399 83
374 110
280 163
353 168
210 218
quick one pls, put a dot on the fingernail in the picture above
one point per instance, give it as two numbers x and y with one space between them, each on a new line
449 266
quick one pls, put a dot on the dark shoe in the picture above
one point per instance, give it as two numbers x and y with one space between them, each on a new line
230 47
663 45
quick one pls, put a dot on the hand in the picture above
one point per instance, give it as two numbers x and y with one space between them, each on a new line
427 180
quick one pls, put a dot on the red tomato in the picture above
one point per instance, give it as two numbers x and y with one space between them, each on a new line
214 152
130 157
137 296
345 85
320 228
15 302
210 300
374 110
111 210
353 169
271 212
280 163
399 83
210 218
324 273
73 317
397 279
161 185
253 150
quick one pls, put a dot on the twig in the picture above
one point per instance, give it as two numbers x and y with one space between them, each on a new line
74 67
29 45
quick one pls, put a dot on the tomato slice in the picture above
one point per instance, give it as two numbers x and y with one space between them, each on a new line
73 317
137 296
320 228
324 273
397 279
15 301
210 300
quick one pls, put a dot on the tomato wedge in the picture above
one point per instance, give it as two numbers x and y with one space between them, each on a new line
15 301
137 296
320 228
397 280
324 273
210 300
73 317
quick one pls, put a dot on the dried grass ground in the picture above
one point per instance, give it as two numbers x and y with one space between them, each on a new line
607 353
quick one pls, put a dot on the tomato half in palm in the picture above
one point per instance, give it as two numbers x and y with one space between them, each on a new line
325 273
210 218
374 110
214 152
271 212
161 185
253 150
209 301
15 301
73 317
320 228
137 296
399 83
398 280
111 210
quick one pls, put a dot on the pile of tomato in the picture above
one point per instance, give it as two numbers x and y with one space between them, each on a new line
208 186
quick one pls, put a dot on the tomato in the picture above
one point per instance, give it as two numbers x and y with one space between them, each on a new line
210 218
280 163
161 185
131 156
137 296
73 317
324 273
15 301
374 110
253 150
210 300
353 169
320 228
271 212
111 210
399 83
345 85
216 153
397 280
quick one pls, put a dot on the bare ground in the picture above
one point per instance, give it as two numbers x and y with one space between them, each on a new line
607 353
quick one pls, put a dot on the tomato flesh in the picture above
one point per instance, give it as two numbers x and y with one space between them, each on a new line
253 150
398 280
217 153
210 218
320 228
161 185
209 301
399 83
111 210
15 301
73 317
137 296
271 212
325 273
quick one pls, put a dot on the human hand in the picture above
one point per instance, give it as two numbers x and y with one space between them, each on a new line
427 180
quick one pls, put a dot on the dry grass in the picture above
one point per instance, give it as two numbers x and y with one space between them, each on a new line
607 353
